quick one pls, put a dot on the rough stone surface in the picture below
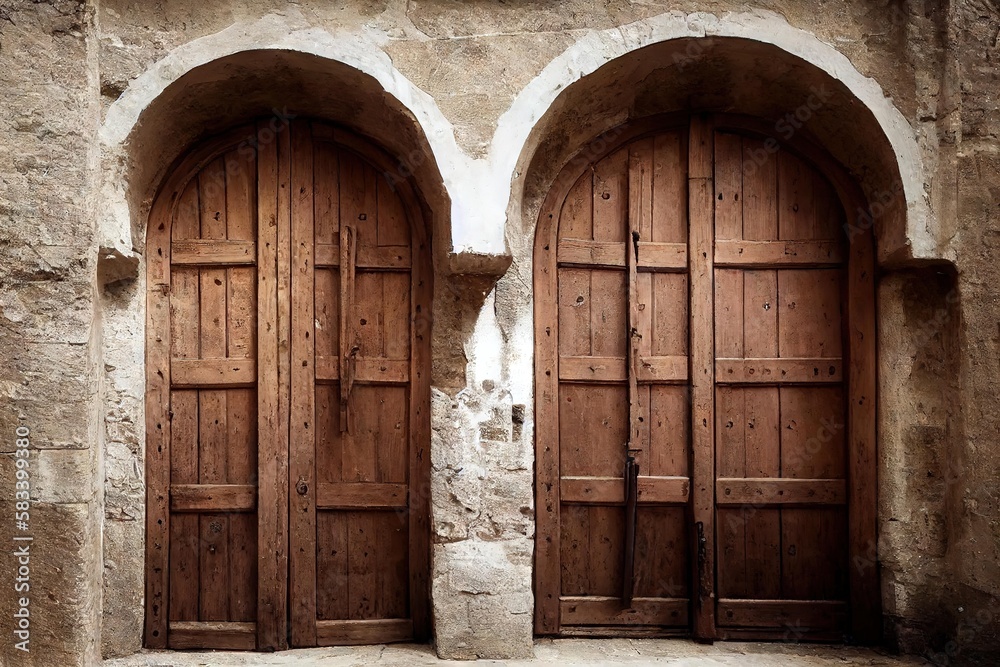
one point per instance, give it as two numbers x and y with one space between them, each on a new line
558 652
484 103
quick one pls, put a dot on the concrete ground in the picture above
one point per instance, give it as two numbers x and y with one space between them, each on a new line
677 652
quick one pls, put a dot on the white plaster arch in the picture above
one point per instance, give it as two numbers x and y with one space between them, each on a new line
127 188
513 143
358 49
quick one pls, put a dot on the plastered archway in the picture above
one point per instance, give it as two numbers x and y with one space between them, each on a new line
198 91
750 63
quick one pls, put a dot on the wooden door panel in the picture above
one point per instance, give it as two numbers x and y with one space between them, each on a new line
246 345
592 429
813 443
638 189
213 454
358 548
669 431
781 524
692 301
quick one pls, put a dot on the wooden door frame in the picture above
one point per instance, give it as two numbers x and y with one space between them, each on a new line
273 200
865 598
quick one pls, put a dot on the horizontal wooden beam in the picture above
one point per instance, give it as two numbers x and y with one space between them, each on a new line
600 610
213 497
611 490
777 254
779 371
379 258
212 372
662 257
765 491
794 615
368 370
361 495
660 369
576 252
377 631
212 635
652 370
205 252
611 254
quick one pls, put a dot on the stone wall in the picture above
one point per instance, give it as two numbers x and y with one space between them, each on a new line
489 100
50 331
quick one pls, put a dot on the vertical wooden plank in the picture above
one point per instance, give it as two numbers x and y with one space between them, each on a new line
212 404
814 562
861 444
547 571
763 434
729 313
640 188
574 547
302 413
396 315
701 235
328 316
760 193
576 220
359 443
611 197
574 311
670 224
184 538
185 336
326 197
368 315
732 523
809 305
640 227
348 334
728 186
329 444
730 434
393 227
242 525
241 318
813 438
419 455
362 565
157 426
594 429
609 313
662 570
796 199
392 538
669 415
646 307
606 547
669 314
331 566
272 429
639 222
392 436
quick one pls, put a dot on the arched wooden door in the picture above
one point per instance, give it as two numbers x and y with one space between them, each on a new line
704 391
287 396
